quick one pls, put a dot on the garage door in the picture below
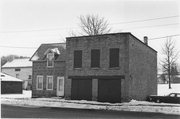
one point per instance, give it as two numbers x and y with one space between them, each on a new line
81 89
109 90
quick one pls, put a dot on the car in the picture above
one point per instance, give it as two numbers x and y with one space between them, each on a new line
171 98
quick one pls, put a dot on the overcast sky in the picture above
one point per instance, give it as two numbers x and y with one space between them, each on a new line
29 23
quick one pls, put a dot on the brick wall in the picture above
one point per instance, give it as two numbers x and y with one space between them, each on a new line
142 70
40 68
104 43
138 63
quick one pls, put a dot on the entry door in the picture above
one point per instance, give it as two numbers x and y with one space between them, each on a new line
60 86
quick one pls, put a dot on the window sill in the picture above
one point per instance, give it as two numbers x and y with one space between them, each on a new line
114 68
50 66
95 68
77 68
49 89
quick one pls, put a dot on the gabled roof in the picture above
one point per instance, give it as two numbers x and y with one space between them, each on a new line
5 77
58 48
18 63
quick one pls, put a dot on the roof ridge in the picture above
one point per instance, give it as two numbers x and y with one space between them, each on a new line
51 43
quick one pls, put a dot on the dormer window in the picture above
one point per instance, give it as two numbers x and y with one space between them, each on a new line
50 61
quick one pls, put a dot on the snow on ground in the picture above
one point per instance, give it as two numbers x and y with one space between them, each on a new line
26 94
141 106
163 89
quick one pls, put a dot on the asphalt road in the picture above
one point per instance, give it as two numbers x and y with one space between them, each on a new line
8 111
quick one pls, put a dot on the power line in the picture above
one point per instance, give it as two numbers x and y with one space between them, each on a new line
65 28
19 47
164 37
151 26
152 19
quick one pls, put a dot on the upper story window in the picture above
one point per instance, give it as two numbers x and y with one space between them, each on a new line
114 57
39 82
78 59
30 77
17 69
50 61
17 76
95 58
49 83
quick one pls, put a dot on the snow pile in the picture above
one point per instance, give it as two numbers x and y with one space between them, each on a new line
163 89
26 94
140 106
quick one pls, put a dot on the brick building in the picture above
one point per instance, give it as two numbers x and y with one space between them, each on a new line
111 67
48 70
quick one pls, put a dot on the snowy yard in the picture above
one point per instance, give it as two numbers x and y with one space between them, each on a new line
163 89
141 106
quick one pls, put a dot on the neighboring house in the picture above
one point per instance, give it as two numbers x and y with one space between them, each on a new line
163 79
21 69
48 70
10 85
110 68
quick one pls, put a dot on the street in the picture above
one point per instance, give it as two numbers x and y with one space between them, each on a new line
8 111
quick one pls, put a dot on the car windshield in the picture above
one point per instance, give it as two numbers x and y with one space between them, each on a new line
172 95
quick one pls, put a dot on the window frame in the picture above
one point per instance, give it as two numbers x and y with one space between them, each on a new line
17 69
75 63
47 77
37 81
18 75
50 60
94 58
111 61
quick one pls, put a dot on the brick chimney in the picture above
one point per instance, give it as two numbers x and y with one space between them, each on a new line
146 40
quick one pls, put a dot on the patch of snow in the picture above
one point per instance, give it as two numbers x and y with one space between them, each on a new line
163 89
25 94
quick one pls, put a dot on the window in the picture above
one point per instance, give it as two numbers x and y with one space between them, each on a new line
50 62
17 76
77 58
95 58
114 57
30 77
39 83
49 83
17 69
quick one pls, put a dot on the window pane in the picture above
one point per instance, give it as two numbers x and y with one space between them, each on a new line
114 57
49 82
17 69
77 59
50 57
95 58
50 63
39 82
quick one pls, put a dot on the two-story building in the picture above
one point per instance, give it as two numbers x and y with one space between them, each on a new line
110 68
21 69
48 70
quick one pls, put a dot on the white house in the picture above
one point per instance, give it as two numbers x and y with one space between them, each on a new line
21 69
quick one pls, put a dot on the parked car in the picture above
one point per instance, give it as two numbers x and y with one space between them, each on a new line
171 98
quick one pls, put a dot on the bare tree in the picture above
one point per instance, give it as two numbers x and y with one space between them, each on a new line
170 58
94 25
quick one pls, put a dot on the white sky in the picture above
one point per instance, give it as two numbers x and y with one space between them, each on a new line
29 23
